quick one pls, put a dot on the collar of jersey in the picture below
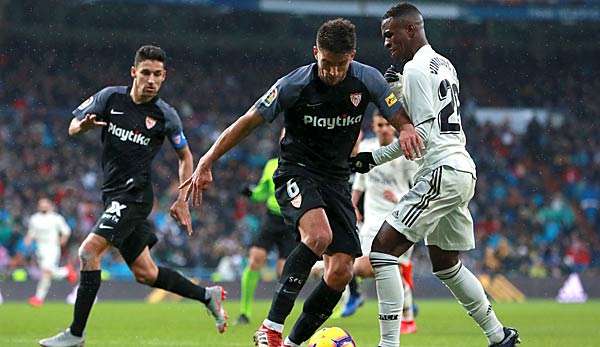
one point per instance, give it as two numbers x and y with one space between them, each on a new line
423 50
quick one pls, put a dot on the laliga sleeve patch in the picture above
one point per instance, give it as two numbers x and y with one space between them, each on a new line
86 103
269 97
391 99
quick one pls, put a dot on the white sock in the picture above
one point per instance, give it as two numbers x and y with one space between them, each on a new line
407 308
60 273
289 342
390 296
42 287
469 292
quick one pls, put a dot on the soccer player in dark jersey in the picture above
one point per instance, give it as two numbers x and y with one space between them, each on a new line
134 122
323 106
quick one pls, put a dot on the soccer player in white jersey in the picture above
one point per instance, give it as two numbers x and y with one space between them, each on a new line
382 187
50 232
436 207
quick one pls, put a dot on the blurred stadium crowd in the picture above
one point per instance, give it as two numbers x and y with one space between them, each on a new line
538 193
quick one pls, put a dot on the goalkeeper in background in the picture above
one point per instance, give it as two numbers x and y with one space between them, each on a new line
274 232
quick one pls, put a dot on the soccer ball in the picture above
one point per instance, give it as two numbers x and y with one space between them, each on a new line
331 337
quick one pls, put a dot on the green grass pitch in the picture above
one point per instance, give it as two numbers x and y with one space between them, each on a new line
441 323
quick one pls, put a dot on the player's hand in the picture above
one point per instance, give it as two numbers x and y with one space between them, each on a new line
392 75
362 162
198 182
359 216
181 213
390 196
410 142
91 121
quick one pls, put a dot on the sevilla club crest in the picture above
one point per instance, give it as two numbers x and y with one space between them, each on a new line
355 98
150 122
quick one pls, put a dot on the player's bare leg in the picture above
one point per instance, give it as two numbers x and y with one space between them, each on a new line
469 292
315 237
90 254
387 246
146 272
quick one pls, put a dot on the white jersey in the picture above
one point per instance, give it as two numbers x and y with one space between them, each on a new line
396 176
430 92
47 228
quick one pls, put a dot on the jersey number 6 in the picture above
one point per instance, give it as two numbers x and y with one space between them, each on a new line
453 107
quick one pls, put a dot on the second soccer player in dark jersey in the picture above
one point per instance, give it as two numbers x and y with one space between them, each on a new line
323 105
134 123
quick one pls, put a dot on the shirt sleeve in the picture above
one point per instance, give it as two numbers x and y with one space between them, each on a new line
417 96
63 227
381 94
95 104
174 129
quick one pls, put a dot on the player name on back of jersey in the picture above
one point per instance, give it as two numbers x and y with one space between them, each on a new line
128 135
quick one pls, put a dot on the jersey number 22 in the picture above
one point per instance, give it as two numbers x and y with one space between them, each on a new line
447 125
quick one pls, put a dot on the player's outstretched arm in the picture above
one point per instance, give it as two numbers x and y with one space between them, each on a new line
234 134
79 126
180 210
356 194
409 141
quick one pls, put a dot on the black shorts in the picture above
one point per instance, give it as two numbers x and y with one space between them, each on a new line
124 225
275 233
299 191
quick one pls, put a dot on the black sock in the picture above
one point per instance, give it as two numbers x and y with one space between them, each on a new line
174 282
354 287
86 294
317 308
295 272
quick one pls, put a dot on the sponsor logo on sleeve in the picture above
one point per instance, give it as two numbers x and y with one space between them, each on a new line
391 100
269 97
86 103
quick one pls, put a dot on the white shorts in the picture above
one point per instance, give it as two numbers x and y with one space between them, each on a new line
367 235
436 209
48 258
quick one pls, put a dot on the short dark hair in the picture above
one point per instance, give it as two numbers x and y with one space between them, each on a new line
402 9
149 52
337 36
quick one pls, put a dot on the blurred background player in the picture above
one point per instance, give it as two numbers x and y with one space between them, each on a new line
382 187
274 233
134 123
436 208
50 232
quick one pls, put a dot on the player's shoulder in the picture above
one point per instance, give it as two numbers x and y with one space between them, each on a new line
110 90
427 62
363 71
299 76
272 162
168 111
35 216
